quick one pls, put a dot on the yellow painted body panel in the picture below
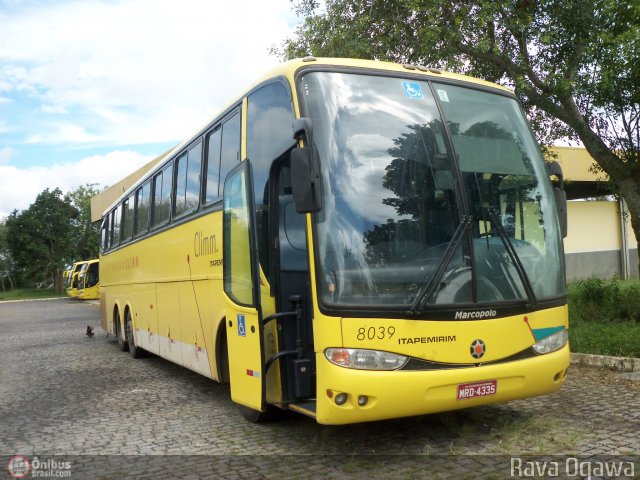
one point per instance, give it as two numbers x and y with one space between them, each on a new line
172 284
90 293
245 370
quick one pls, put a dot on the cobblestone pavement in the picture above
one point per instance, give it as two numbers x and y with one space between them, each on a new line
67 397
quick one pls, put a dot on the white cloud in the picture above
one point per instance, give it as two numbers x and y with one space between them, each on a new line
70 132
137 70
108 73
5 154
19 187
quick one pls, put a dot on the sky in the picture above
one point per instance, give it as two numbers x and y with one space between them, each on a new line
90 90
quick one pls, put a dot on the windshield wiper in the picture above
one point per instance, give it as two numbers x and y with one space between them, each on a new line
508 246
506 241
428 289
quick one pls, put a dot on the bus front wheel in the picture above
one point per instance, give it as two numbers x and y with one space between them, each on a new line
256 416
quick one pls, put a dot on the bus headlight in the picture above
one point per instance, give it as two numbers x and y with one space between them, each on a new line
365 359
551 343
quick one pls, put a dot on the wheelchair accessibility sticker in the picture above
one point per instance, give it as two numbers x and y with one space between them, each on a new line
412 90
242 326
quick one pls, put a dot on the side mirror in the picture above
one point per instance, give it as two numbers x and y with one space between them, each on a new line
306 181
554 168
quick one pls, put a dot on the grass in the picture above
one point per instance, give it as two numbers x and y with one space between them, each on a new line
621 339
490 430
28 293
604 317
532 435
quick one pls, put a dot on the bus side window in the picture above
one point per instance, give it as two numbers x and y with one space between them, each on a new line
104 234
214 141
162 183
230 148
192 189
92 275
188 180
223 155
142 209
127 219
181 184
110 231
115 230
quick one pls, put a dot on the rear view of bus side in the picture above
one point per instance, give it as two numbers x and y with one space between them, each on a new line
352 240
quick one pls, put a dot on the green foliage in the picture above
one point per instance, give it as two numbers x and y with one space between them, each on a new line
614 300
39 238
85 233
620 339
6 260
604 317
53 232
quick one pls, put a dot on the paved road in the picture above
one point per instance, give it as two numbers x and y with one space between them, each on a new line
67 397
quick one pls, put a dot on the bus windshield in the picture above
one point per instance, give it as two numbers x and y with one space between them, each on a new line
428 202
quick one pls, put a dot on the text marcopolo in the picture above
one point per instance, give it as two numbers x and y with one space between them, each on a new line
475 315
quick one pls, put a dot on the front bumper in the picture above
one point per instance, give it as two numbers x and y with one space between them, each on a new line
402 393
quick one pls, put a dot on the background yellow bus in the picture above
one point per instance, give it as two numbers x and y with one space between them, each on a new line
72 279
352 240
89 281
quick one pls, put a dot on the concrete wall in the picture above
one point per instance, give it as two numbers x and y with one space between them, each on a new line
596 264
595 244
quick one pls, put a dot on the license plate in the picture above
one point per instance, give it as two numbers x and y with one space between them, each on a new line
477 389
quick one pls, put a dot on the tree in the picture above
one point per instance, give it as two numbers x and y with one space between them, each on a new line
6 260
574 64
85 234
40 238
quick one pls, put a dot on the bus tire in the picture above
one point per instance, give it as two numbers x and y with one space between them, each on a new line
122 342
136 352
256 416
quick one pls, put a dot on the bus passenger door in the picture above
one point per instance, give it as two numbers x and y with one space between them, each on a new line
242 290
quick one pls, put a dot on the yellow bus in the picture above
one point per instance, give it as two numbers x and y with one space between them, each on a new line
352 240
89 281
66 273
72 279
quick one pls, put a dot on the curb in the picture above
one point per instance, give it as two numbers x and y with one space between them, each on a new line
32 300
619 364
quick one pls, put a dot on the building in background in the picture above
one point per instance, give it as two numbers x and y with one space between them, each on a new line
600 240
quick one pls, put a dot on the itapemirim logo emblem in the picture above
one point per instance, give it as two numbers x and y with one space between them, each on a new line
19 466
477 348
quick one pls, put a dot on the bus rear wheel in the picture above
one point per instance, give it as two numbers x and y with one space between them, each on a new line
122 342
136 352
